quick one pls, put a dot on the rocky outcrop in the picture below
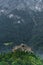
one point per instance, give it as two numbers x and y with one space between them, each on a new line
22 47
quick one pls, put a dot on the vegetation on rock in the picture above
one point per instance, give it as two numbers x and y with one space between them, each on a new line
19 58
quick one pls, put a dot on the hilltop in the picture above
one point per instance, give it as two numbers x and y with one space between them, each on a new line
20 57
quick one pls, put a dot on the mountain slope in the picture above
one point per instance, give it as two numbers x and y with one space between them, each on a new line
21 21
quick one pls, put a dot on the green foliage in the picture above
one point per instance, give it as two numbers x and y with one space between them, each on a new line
4 63
19 58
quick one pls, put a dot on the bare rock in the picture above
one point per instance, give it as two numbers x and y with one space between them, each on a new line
22 47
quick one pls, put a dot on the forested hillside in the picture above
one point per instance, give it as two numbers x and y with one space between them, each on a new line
20 58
